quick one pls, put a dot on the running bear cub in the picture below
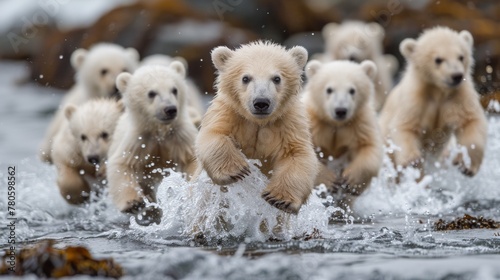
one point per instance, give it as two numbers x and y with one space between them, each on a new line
435 100
81 146
155 133
257 114
344 127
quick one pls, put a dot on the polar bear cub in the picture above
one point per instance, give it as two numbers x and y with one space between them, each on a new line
257 114
155 133
435 100
343 122
81 145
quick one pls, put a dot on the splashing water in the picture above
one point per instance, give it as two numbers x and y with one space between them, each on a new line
231 213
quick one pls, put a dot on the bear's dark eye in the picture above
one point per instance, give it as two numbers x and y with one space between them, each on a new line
124 70
329 90
152 94
174 91
438 60
352 91
245 79
104 71
83 137
461 58
352 58
276 80
104 135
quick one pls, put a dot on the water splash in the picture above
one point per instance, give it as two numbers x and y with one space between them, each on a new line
231 213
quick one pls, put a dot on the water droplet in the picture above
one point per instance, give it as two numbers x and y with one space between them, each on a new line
68 196
41 76
140 137
136 157
312 33
61 57
201 59
489 69
143 146
82 172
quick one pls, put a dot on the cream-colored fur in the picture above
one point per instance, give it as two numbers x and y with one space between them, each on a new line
343 122
233 130
193 94
427 107
82 143
358 41
96 71
148 139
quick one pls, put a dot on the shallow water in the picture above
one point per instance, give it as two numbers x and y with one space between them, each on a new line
389 235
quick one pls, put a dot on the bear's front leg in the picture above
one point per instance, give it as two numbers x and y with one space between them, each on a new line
224 163
326 176
472 136
72 185
409 153
293 178
124 188
365 165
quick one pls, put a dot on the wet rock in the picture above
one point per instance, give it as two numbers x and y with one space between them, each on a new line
466 222
43 260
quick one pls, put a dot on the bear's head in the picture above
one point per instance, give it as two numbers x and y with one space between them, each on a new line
98 67
162 59
260 78
440 56
353 40
93 124
338 89
155 93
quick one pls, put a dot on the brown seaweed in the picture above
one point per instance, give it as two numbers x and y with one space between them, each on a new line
44 260
466 222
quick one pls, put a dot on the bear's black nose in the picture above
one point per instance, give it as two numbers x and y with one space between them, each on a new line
341 113
457 78
170 112
93 159
116 93
261 104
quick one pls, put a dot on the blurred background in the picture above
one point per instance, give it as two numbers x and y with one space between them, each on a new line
44 33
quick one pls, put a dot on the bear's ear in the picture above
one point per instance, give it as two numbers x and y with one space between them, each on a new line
77 58
69 111
300 55
133 54
220 56
120 105
182 60
122 81
467 37
370 69
407 47
376 30
178 67
329 30
312 68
